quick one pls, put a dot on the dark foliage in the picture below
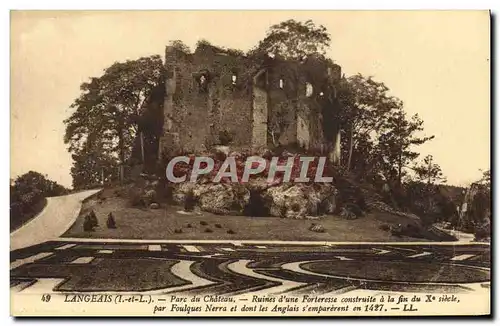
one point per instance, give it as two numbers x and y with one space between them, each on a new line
93 218
110 222
88 225
27 196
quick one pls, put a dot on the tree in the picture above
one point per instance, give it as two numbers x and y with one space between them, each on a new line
486 179
429 172
32 181
294 40
178 44
396 142
93 167
478 204
27 193
425 191
107 113
366 106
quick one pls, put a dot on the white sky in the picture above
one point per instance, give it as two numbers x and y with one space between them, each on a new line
436 62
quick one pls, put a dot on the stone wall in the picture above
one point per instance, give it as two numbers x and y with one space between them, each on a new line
205 96
211 91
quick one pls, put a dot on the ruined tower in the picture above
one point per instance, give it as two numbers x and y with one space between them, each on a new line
213 91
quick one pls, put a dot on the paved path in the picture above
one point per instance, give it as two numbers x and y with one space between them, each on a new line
59 214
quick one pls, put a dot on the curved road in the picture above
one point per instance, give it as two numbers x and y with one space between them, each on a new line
59 214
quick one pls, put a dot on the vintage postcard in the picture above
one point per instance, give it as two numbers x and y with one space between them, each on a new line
244 163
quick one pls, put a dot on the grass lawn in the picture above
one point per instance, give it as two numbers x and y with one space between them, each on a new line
135 223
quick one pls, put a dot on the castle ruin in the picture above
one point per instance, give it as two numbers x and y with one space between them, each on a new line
259 104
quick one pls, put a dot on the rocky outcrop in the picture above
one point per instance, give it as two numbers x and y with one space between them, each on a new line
286 200
222 198
149 197
299 201
317 228
181 192
217 198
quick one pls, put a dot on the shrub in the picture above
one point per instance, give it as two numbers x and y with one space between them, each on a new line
208 230
178 231
347 214
189 225
93 218
385 227
397 230
482 231
110 222
218 226
203 223
27 196
88 225
189 202
231 231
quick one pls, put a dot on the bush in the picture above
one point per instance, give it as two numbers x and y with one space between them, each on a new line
397 230
208 230
231 231
27 196
110 222
203 223
218 226
483 231
88 225
347 214
385 227
189 202
93 218
178 231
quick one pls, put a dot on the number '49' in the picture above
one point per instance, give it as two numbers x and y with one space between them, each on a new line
46 297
